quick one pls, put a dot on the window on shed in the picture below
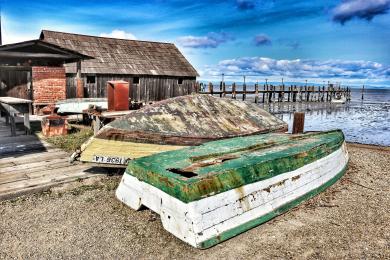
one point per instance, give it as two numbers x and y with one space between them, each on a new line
136 80
180 81
91 79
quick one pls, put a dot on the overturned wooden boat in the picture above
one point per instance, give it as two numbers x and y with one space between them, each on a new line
173 124
212 192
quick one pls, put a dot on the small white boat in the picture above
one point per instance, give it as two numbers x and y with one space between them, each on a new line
209 193
339 100
77 105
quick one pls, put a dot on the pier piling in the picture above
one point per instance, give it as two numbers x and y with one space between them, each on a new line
298 123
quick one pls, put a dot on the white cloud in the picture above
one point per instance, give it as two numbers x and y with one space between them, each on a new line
363 9
120 34
300 69
211 40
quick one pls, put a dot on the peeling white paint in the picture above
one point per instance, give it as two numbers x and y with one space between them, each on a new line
201 220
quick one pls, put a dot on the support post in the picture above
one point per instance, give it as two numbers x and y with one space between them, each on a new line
270 94
234 90
13 124
26 122
256 93
211 91
96 124
243 92
79 82
298 123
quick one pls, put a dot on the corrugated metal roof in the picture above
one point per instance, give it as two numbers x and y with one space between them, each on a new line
119 56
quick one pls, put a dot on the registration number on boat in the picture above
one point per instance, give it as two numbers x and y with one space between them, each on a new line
110 159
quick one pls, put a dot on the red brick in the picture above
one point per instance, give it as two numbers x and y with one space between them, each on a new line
49 84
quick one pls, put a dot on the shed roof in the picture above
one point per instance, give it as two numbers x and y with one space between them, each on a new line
120 56
37 50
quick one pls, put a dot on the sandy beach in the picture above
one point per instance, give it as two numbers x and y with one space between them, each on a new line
85 220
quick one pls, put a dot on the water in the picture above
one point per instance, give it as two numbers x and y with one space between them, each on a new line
366 121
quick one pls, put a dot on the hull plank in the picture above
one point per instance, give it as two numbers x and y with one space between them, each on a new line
206 220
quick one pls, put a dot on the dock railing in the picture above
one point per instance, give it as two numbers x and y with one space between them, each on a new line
267 93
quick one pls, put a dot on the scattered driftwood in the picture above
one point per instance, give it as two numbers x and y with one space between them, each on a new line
361 185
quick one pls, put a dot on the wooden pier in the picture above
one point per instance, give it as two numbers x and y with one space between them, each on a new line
268 93
30 165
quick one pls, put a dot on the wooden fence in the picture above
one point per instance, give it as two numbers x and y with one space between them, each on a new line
268 93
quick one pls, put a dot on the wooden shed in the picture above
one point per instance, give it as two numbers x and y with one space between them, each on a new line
155 70
35 70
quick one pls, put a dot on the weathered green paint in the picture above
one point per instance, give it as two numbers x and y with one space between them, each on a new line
255 222
247 160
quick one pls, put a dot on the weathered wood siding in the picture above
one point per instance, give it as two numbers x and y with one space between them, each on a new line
15 81
150 88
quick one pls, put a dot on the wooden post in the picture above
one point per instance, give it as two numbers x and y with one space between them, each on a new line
307 94
220 89
273 93
243 92
270 94
234 90
256 93
96 124
289 93
298 123
79 82
264 94
223 89
26 121
211 91
13 124
294 93
327 94
305 91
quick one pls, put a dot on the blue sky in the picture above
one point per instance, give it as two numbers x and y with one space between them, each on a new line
338 40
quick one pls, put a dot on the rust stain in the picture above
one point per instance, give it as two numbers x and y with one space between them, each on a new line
243 200
166 181
296 177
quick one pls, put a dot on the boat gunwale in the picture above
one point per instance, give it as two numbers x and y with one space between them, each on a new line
191 189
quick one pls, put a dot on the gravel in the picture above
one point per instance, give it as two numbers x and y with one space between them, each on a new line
84 220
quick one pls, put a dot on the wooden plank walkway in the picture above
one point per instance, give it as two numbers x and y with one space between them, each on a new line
28 165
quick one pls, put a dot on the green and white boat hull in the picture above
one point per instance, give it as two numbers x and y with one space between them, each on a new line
211 206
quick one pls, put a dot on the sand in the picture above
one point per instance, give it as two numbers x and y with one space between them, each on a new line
84 220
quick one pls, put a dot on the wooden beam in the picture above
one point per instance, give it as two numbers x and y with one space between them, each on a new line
17 54
298 123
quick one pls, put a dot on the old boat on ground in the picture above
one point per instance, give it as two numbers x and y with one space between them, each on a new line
212 192
173 124
78 105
